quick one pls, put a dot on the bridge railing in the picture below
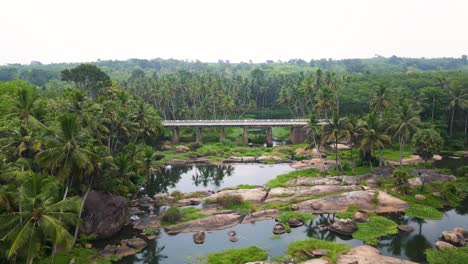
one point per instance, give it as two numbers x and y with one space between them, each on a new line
255 122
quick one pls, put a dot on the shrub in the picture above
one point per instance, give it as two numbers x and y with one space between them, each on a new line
284 216
447 256
423 212
237 256
452 193
401 180
172 215
296 249
195 145
229 200
462 171
177 195
376 227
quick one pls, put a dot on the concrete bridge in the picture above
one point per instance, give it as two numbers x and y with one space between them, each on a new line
297 132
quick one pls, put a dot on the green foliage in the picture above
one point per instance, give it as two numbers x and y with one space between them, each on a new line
423 212
452 193
295 249
376 227
447 255
401 180
171 216
280 180
427 142
191 213
349 212
233 202
78 255
285 215
237 256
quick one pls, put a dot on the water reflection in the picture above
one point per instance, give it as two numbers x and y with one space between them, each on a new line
190 178
211 175
152 254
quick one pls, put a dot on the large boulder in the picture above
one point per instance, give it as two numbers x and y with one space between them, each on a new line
344 226
281 194
441 245
364 199
454 238
199 237
279 229
214 222
182 149
295 222
260 216
368 255
252 195
428 176
135 243
103 214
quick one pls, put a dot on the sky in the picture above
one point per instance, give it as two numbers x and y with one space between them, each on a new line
238 30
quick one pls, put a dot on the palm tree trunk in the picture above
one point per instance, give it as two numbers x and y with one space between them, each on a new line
451 121
401 151
380 157
336 149
433 108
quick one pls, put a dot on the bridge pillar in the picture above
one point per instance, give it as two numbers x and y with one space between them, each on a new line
222 135
175 135
246 136
297 134
198 135
269 137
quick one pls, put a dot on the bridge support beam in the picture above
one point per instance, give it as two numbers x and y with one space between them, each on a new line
198 135
246 136
297 134
269 137
175 135
222 135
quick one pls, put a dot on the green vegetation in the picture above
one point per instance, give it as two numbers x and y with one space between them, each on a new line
352 209
376 227
237 256
79 255
424 212
285 215
233 202
296 249
280 180
447 255
175 215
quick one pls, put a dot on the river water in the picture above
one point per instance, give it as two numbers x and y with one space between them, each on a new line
181 249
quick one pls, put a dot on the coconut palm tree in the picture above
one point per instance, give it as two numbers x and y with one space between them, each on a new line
404 124
43 219
336 130
326 101
372 138
67 158
380 101
458 99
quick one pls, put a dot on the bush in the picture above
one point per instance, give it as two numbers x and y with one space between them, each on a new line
195 145
171 216
401 180
447 256
237 256
296 249
452 193
423 212
228 201
462 172
376 227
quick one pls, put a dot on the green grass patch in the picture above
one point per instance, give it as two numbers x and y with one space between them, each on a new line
430 201
376 227
424 212
175 215
352 209
79 255
233 202
237 256
295 249
447 255
394 153
284 216
280 180
240 186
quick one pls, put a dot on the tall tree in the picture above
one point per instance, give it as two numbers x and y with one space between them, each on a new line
87 77
336 130
404 124
458 99
372 137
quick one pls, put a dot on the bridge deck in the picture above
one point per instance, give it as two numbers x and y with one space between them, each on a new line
237 123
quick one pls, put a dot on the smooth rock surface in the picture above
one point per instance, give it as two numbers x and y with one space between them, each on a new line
368 255
279 229
344 226
256 195
260 216
406 228
441 245
214 222
199 237
285 194
360 216
363 199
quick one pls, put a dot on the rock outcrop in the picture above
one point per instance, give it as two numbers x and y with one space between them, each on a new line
256 195
104 214
368 255
260 216
281 194
214 222
363 199
199 237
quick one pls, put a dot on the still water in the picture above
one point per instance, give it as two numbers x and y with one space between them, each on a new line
181 249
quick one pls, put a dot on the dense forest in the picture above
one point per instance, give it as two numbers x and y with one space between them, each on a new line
67 128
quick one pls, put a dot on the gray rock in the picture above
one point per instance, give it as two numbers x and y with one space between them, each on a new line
108 251
441 245
104 214
214 222
295 222
368 255
233 239
320 252
231 233
454 238
124 251
135 243
361 216
420 197
260 216
199 237
344 226
279 229
406 228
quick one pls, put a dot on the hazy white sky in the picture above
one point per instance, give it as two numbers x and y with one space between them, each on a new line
238 30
